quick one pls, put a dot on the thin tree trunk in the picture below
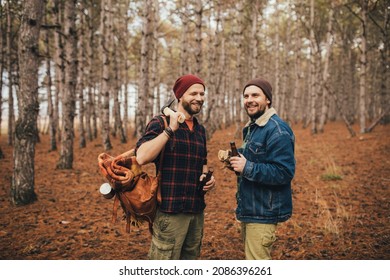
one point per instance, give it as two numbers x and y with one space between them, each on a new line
26 131
313 71
198 37
325 76
238 85
1 70
363 69
143 92
117 116
81 78
68 100
126 76
385 77
276 91
150 42
59 67
254 40
90 112
105 89
184 63
155 58
11 115
50 109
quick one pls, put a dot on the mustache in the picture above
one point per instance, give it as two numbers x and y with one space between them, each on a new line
198 103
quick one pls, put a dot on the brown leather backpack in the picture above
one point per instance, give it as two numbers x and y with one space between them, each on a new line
137 192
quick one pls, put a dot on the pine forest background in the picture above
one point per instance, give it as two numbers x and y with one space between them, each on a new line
103 68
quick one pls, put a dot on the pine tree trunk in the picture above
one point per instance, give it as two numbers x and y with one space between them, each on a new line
26 131
50 109
143 92
184 67
385 76
276 87
150 42
238 82
11 115
1 69
155 59
198 37
59 68
90 112
105 90
81 78
69 94
363 69
325 75
313 76
254 41
117 116
126 76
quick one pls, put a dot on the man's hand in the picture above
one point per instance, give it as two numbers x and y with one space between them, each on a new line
174 121
209 184
238 163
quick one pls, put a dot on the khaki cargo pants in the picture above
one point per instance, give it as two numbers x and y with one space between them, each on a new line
258 240
176 236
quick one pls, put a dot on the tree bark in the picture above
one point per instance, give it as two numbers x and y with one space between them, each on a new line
11 115
313 71
1 69
81 77
325 74
238 83
69 94
105 88
143 92
26 130
198 37
49 83
363 69
184 63
59 67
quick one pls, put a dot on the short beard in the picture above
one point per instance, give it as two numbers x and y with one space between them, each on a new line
187 107
257 115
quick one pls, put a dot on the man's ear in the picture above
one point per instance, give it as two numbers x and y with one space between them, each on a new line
268 101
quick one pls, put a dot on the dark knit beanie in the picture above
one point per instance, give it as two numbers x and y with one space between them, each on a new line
184 83
264 85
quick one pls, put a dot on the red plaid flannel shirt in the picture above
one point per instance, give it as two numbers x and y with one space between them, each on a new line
184 157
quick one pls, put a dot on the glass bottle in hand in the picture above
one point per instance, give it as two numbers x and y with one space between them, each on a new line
235 153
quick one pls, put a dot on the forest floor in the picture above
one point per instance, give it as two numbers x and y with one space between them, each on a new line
341 202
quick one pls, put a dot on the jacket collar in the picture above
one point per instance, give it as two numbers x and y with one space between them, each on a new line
263 120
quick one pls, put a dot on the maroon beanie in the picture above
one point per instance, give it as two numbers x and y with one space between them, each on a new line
184 83
264 85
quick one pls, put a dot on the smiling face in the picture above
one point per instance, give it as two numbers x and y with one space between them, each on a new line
193 99
255 101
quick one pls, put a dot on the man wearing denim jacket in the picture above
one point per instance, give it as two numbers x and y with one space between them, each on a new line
266 165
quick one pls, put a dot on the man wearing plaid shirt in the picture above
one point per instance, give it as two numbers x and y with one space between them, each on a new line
178 226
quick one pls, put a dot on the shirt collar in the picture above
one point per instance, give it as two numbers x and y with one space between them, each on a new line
263 120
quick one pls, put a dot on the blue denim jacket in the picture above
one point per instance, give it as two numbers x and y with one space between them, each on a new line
264 187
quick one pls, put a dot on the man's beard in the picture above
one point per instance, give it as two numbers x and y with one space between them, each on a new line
187 107
258 114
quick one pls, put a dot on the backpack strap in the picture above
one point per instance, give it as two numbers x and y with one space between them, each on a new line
160 164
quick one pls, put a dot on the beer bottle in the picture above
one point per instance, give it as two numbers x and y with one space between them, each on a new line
235 153
205 180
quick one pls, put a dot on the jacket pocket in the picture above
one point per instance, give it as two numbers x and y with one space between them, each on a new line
257 150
